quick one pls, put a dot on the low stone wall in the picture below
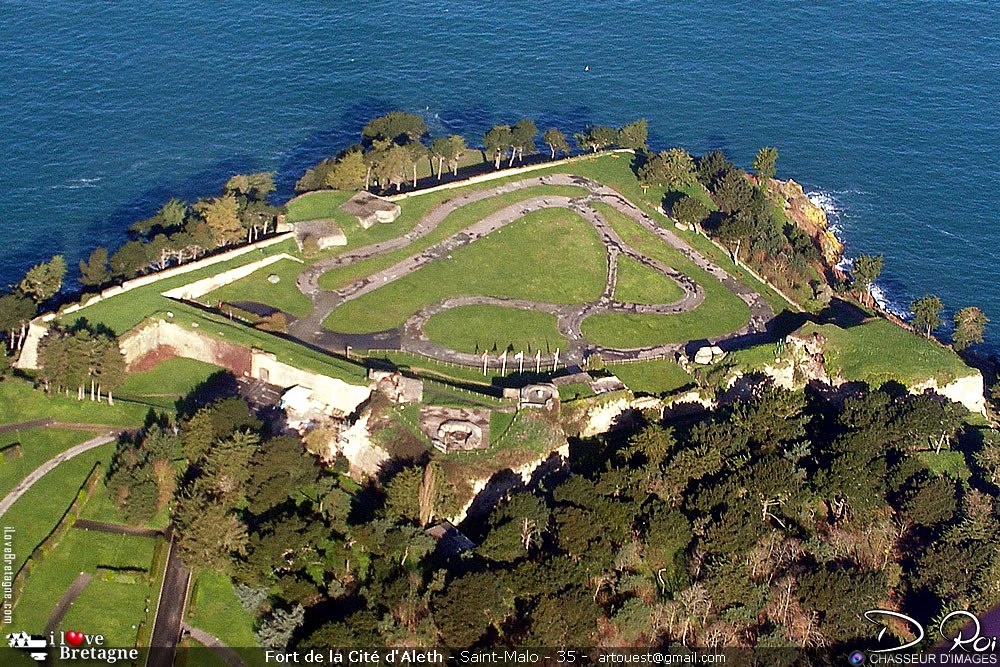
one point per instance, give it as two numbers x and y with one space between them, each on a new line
28 359
202 287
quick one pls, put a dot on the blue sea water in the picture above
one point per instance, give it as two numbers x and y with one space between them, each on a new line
886 112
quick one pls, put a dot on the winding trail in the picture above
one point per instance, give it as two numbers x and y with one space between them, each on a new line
411 336
39 472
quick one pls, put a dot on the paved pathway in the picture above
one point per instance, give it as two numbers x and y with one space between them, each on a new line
169 611
41 470
411 337
62 607
228 655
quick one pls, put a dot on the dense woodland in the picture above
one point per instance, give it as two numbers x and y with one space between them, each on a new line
774 521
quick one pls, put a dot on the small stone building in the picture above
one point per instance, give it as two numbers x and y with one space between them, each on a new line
325 231
538 396
369 209
397 387
456 429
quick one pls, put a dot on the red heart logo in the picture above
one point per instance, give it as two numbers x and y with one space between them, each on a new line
74 638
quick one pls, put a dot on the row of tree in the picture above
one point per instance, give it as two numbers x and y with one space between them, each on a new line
969 322
21 302
393 145
770 522
83 360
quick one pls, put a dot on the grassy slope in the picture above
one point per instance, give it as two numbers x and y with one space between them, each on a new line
652 377
38 446
20 402
511 262
477 328
721 312
103 607
169 381
638 283
879 351
216 610
36 513
283 295
413 209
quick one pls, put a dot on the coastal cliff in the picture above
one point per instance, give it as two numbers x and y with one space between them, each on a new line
803 212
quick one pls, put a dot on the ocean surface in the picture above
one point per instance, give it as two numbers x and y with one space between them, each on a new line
885 112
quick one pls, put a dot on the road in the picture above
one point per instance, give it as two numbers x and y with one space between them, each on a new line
228 655
170 611
39 472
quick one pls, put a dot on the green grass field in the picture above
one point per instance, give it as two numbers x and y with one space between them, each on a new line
105 607
38 446
20 402
37 512
655 378
511 262
283 295
477 328
170 381
638 283
879 351
215 609
124 311
414 208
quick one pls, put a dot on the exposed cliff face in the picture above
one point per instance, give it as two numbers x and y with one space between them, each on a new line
800 210
802 362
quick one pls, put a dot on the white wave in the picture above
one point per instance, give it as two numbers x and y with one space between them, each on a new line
831 206
888 303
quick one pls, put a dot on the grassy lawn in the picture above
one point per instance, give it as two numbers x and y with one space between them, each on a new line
169 381
214 608
283 295
568 267
37 446
879 351
37 512
478 328
655 378
320 204
19 401
124 311
105 607
637 283
413 209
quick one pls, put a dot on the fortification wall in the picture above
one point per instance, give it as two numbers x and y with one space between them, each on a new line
157 334
211 283
334 392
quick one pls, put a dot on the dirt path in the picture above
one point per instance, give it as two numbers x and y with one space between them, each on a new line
43 469
410 337
52 423
62 607
228 655
115 529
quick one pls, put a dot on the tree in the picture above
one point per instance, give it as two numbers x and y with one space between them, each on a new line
732 191
690 211
170 217
969 325
710 166
926 314
44 280
396 126
865 271
633 135
556 141
94 271
276 628
440 150
469 606
763 165
496 142
220 216
522 138
417 152
16 310
596 138
393 169
257 186
130 260
458 149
